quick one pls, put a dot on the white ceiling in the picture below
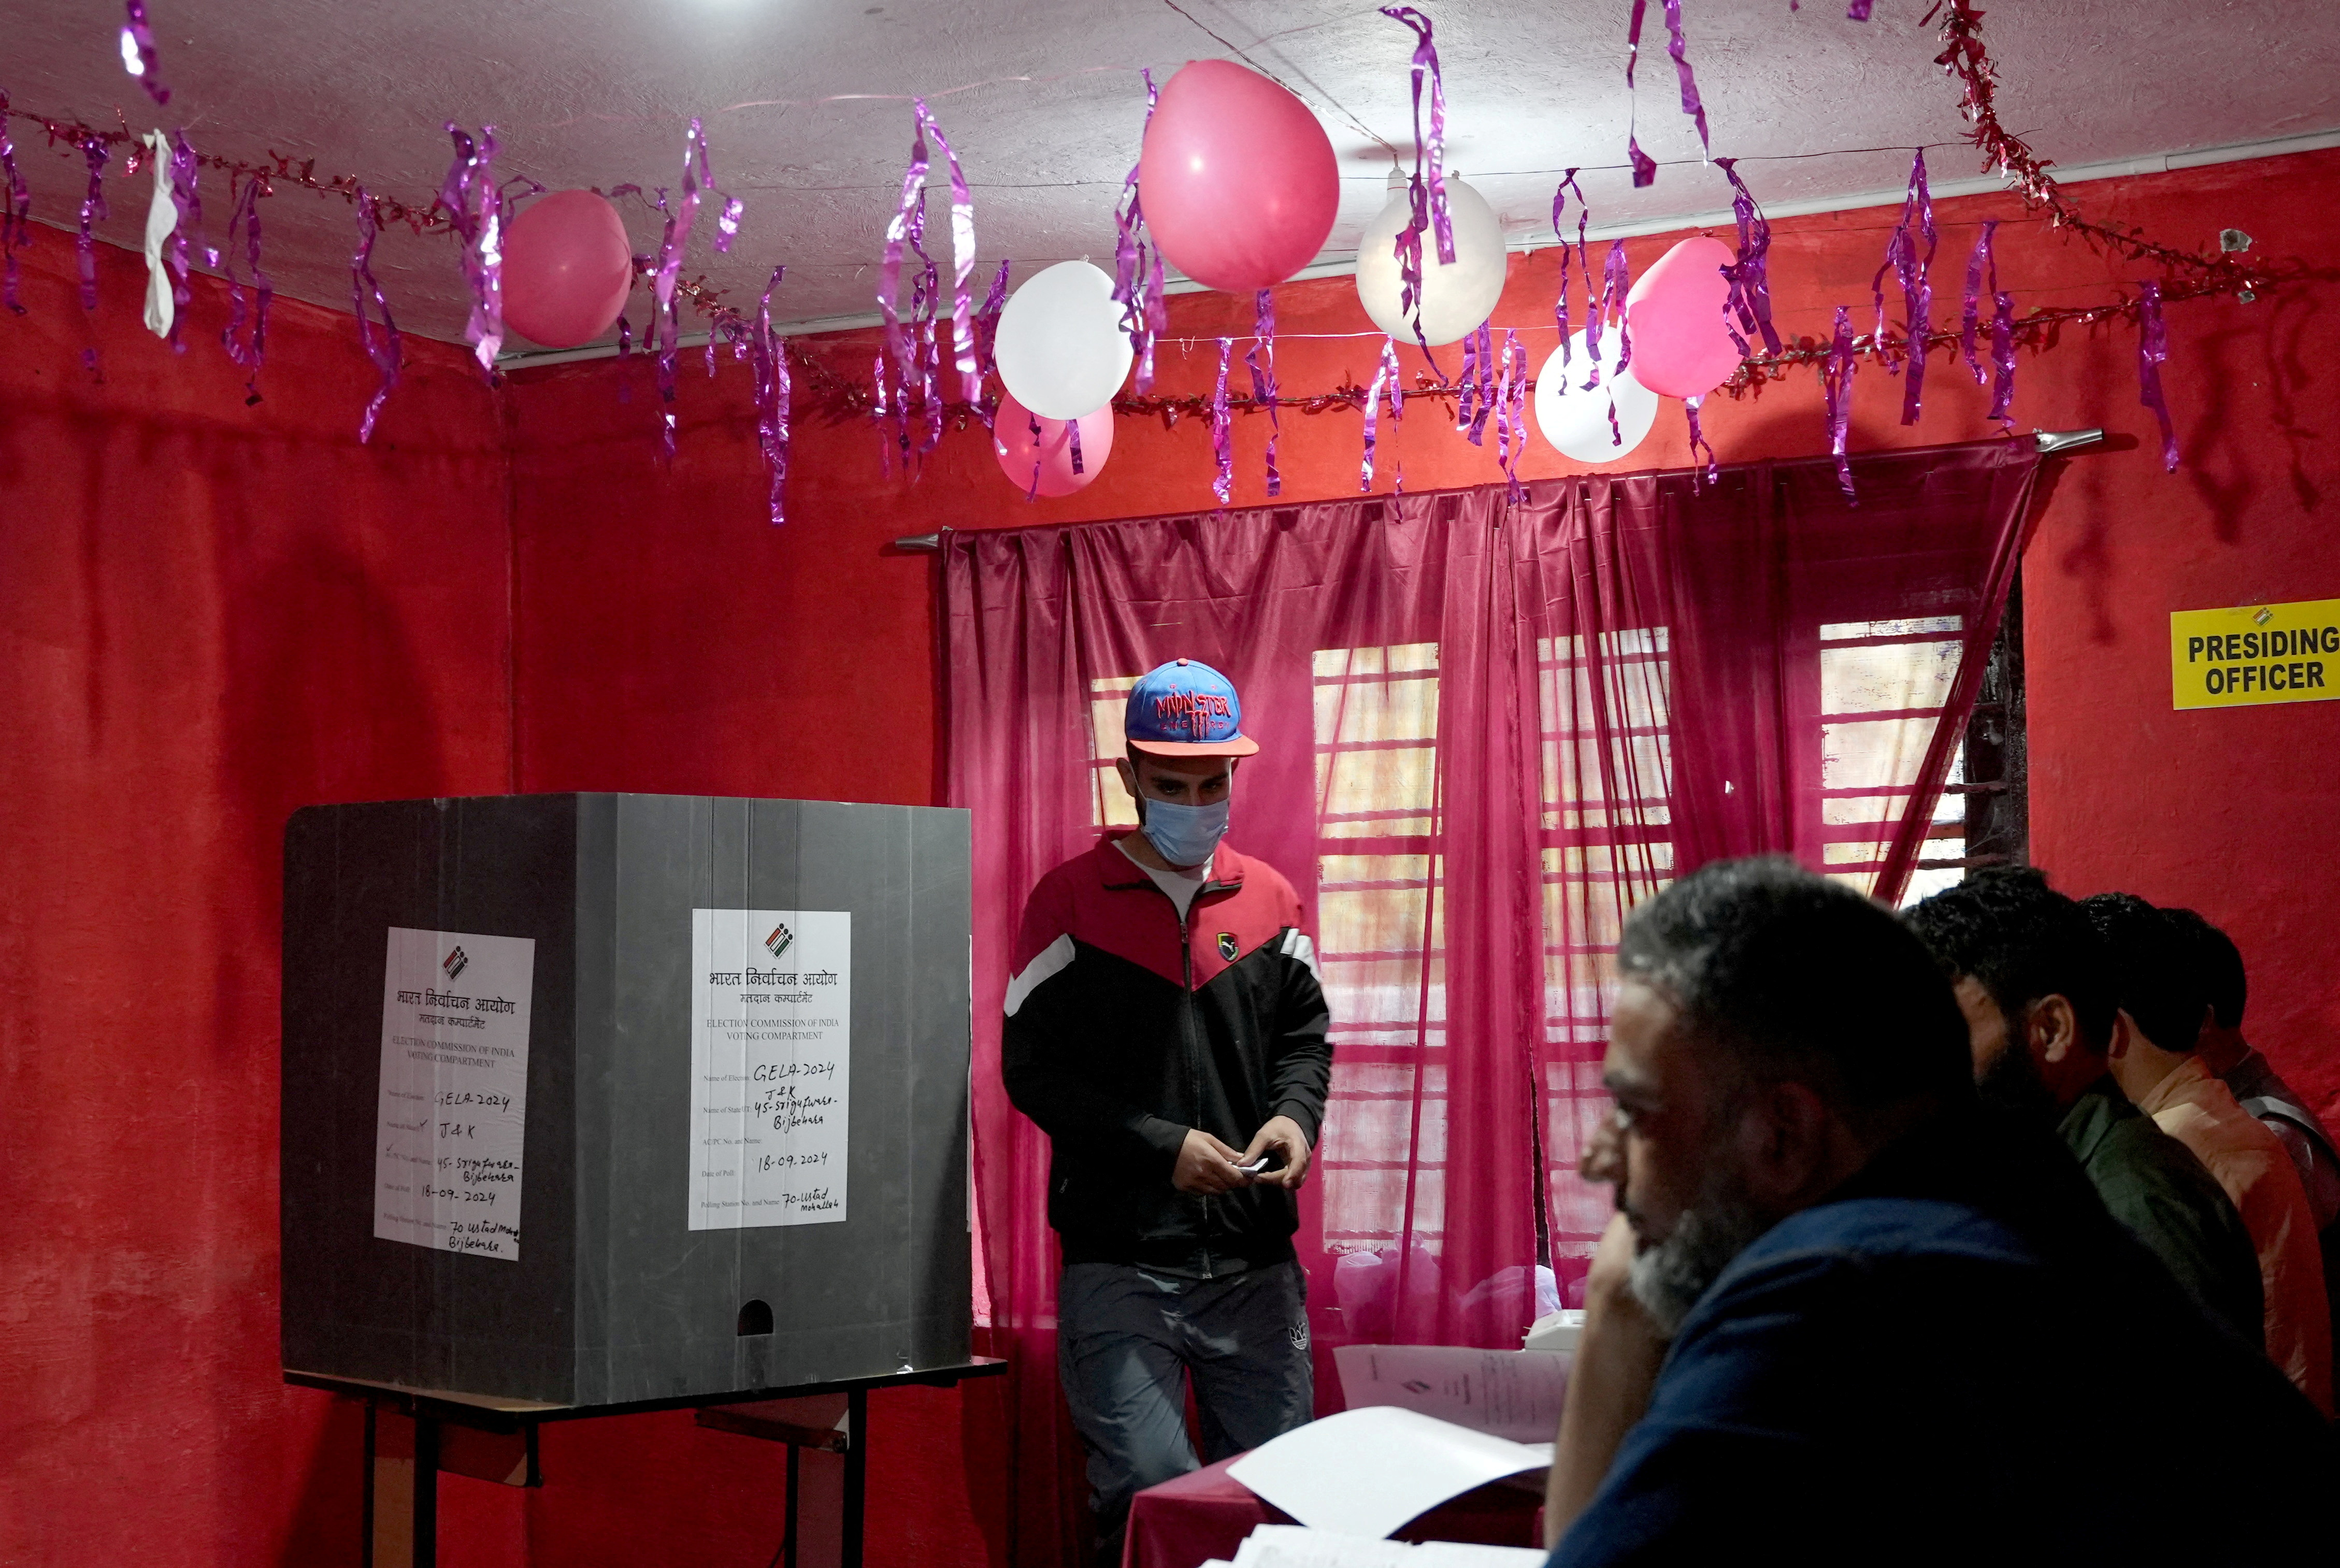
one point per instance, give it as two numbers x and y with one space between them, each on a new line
598 92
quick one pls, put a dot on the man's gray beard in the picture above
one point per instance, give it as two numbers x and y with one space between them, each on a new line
1669 1278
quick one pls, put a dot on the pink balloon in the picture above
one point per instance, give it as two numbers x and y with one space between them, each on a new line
1237 178
567 269
1051 452
1681 346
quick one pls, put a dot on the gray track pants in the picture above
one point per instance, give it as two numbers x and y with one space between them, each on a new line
1126 1342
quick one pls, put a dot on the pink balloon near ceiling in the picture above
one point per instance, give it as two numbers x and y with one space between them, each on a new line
1681 347
567 269
1237 178
1043 464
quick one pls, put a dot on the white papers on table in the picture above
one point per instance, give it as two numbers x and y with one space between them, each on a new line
1513 1394
1368 1472
1290 1547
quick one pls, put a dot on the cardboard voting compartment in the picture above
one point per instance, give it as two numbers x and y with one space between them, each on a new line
594 1098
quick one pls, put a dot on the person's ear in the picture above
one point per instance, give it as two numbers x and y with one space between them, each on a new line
2054 1029
2125 1034
1784 1137
1128 776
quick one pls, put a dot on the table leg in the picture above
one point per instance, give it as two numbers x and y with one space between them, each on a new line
796 1486
400 1515
426 1493
856 1473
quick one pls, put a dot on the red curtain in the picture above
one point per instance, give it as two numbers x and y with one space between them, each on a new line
1486 730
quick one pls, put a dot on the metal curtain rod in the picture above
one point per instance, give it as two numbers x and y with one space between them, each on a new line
2052 444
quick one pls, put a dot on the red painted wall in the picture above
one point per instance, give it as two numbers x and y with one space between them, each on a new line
209 613
214 612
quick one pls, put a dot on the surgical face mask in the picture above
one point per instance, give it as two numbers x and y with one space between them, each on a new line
1185 835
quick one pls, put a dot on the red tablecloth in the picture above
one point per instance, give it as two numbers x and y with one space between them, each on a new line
1204 1515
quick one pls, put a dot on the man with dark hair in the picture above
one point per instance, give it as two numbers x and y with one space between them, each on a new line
2032 978
1847 1315
2261 1091
1166 1028
2159 987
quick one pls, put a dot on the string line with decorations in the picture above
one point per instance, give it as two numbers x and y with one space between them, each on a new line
1230 145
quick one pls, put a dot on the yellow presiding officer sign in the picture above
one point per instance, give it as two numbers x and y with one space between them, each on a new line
2258 653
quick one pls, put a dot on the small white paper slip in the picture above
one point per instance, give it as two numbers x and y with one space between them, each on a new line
1513 1394
451 1120
1290 1546
771 1057
1367 1472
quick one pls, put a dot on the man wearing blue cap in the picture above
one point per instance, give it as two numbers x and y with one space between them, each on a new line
1166 1029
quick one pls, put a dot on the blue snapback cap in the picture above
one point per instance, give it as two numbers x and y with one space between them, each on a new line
1186 708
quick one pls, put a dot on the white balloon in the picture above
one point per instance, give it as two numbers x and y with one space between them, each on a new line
1577 421
1455 299
1060 349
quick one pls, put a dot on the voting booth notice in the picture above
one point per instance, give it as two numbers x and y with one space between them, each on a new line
770 1066
453 1102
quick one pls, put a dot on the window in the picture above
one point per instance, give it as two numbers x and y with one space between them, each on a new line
1109 804
1376 727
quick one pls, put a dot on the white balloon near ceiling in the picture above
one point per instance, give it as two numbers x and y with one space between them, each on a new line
1577 421
1455 299
1060 349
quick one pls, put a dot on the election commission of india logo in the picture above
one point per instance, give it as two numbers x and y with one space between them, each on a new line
455 962
779 939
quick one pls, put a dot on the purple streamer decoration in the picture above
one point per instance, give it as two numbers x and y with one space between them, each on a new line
1836 389
1137 265
248 352
1616 283
1583 264
1222 443
1478 383
1261 360
2152 353
1645 171
1645 168
1426 187
1916 289
1511 397
185 170
662 336
1970 304
963 358
92 210
475 210
1750 300
138 55
770 357
1698 444
1385 385
1691 104
15 213
2002 354
907 228
987 338
380 342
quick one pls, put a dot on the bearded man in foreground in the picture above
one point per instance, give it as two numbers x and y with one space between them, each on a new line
1846 1315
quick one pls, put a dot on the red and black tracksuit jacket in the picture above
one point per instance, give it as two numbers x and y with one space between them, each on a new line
1127 1026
